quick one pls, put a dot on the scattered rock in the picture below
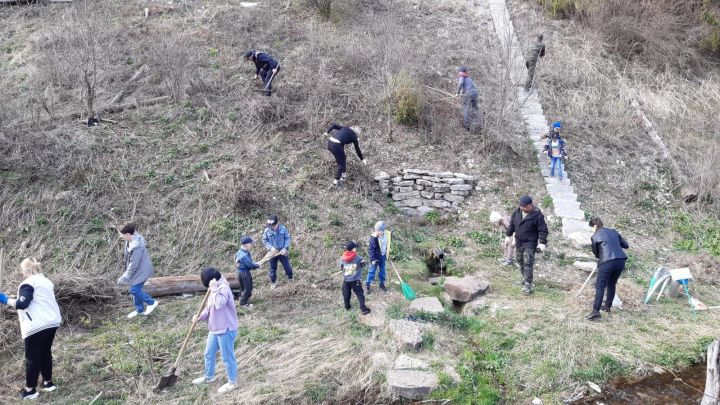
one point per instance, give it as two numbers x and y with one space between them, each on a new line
423 210
475 306
587 266
594 387
412 384
406 333
466 288
376 318
426 304
382 176
537 401
405 362
580 239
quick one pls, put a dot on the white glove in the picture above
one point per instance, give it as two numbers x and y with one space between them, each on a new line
364 162
284 252
541 247
508 240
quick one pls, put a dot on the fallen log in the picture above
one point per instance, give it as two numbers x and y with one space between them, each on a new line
120 96
712 380
159 286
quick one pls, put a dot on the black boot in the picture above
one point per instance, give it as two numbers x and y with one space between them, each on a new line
367 289
605 308
594 315
365 311
382 287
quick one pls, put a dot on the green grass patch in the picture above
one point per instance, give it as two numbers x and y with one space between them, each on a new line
453 320
606 367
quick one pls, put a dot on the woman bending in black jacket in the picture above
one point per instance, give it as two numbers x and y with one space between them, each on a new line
607 246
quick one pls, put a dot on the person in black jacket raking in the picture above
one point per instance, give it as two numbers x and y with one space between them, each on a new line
607 246
266 68
528 225
336 145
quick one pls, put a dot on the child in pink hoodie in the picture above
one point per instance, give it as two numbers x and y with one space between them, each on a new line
222 320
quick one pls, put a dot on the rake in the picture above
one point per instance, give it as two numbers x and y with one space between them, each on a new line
407 291
170 379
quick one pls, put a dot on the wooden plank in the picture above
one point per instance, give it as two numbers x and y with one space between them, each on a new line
712 380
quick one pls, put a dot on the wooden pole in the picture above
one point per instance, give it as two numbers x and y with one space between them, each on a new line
712 381
159 286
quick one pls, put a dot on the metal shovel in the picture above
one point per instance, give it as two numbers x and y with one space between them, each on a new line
170 379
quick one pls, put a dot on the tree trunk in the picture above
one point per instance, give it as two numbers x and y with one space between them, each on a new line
712 381
159 286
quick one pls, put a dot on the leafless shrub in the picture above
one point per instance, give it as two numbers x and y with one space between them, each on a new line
76 53
171 57
323 7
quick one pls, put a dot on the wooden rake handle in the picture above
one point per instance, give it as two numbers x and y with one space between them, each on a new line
192 328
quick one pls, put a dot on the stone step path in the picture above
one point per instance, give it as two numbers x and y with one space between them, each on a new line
565 203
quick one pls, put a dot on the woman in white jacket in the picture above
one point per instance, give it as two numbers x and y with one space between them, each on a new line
39 317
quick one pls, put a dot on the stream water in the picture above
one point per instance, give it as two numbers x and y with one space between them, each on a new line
655 389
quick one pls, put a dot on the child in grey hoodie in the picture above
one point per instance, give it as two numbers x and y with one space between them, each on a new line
138 268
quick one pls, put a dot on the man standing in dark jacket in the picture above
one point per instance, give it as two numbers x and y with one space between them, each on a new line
537 52
265 67
528 225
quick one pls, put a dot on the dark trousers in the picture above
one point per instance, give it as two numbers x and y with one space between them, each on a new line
355 286
272 272
246 286
338 151
531 74
526 259
38 356
608 275
266 75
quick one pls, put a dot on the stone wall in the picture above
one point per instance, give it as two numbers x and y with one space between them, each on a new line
417 192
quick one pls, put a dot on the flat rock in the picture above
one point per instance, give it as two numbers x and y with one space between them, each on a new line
382 176
464 289
475 306
407 333
587 266
376 318
580 239
426 304
452 373
405 362
412 384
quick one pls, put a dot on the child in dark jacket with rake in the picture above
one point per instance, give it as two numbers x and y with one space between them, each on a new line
351 265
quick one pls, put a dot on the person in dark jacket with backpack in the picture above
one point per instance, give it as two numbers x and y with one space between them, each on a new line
36 296
351 266
528 226
336 145
607 246
245 264
266 68
377 250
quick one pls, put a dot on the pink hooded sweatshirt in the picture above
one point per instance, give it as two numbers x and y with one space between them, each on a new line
220 310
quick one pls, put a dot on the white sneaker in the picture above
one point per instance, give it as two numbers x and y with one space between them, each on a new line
150 308
273 286
133 314
227 387
204 380
248 306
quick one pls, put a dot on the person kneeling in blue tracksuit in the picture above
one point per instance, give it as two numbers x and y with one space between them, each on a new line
377 249
244 264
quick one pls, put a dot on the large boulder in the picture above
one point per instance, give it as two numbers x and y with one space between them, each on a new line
412 384
426 304
407 334
465 289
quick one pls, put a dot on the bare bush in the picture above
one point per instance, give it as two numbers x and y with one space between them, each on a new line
323 7
171 57
76 53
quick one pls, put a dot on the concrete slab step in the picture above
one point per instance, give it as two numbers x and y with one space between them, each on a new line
569 213
560 188
545 171
555 180
574 225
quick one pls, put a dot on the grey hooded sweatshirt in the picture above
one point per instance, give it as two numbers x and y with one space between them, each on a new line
138 267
